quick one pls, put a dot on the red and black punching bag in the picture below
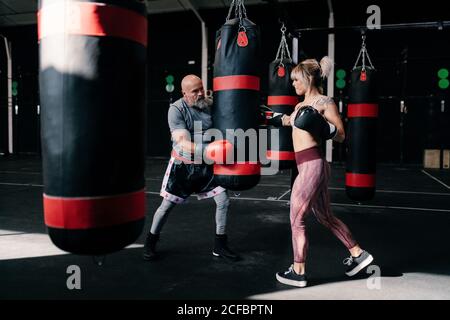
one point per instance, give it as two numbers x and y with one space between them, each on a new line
92 90
236 88
362 114
281 98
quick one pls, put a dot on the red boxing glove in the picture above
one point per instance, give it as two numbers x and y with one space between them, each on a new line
219 151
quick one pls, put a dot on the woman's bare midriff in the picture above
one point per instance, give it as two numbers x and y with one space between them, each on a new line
302 139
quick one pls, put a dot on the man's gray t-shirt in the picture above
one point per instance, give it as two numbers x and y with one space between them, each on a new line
181 116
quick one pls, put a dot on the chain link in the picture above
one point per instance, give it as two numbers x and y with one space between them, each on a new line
239 12
363 53
283 48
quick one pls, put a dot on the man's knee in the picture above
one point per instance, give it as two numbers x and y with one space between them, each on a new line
223 205
222 201
166 206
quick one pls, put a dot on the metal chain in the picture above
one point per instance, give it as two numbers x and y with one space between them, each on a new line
239 12
233 3
242 12
370 61
283 48
363 54
240 16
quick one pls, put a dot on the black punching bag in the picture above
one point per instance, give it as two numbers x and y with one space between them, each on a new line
92 91
236 88
362 116
281 98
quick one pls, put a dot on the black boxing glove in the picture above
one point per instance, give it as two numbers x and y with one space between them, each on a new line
309 119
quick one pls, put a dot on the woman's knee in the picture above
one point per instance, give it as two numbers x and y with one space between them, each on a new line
298 209
297 219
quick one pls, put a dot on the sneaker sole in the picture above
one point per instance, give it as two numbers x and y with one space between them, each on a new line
149 258
294 283
225 257
361 266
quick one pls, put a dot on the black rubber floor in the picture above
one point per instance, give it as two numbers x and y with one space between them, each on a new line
405 227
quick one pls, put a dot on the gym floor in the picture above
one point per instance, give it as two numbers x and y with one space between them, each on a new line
405 227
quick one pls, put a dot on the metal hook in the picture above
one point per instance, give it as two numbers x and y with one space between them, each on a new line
283 28
363 37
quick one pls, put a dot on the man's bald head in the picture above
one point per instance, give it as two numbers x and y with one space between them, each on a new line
190 81
193 92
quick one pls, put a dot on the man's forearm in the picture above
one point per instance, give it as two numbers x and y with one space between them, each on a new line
186 146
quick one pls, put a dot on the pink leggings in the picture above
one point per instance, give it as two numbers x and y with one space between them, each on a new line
310 192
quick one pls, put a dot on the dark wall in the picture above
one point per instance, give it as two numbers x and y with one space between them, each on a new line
407 62
174 40
25 72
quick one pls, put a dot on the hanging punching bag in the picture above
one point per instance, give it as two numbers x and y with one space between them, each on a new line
92 91
362 116
236 88
281 98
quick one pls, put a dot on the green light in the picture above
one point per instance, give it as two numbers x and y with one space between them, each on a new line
14 84
340 84
170 87
170 79
444 83
443 73
340 74
14 92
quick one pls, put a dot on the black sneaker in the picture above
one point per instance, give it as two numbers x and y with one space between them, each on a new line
356 264
291 278
221 248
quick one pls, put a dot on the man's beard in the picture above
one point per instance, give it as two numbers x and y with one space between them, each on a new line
203 103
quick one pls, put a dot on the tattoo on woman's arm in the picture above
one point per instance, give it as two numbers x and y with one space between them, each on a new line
324 101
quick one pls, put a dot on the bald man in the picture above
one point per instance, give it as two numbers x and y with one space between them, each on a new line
185 174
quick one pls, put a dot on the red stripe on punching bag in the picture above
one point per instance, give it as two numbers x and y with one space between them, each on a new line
87 213
238 169
362 110
282 100
358 180
236 83
280 155
91 19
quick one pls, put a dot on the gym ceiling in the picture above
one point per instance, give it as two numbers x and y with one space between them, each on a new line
23 12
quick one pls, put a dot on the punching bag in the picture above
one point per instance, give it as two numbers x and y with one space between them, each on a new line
283 99
236 86
92 90
362 117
